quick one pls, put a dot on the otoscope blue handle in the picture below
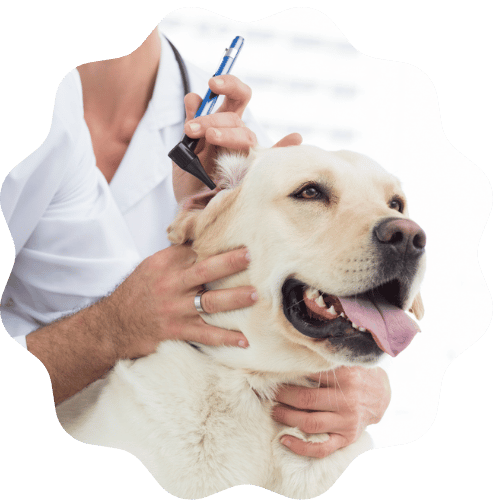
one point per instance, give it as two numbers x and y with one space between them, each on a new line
228 60
183 154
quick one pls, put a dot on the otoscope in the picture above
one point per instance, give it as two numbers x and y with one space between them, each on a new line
183 154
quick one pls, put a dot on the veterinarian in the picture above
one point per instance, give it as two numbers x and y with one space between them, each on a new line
79 230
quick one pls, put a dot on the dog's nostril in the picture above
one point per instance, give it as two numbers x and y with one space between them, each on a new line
396 238
419 240
401 234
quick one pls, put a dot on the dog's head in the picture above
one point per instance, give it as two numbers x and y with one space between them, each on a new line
335 259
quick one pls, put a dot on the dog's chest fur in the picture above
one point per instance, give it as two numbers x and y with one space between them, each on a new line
200 427
197 426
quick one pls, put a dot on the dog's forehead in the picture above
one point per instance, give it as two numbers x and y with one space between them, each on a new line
295 164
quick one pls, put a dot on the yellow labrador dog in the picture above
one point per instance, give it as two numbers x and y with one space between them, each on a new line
336 262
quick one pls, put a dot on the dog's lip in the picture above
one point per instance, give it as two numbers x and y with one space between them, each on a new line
339 332
387 324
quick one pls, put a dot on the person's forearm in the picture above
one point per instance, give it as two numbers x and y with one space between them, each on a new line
75 350
155 303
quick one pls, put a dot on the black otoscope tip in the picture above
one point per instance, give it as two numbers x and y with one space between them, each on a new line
183 155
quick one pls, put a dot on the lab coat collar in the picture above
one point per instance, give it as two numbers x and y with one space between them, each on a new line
146 162
143 167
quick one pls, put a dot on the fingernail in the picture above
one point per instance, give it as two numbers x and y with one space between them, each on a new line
248 257
242 343
194 127
217 132
286 442
254 296
219 82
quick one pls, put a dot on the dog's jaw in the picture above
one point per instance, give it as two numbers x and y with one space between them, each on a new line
269 350
277 352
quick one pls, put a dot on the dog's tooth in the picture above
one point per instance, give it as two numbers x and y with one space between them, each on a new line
312 293
361 329
342 315
331 310
354 325
320 301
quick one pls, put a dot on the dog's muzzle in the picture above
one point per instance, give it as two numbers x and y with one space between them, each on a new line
365 324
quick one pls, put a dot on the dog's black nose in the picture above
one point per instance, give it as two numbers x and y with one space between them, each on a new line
406 237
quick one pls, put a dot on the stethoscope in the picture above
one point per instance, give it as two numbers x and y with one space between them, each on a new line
183 154
182 68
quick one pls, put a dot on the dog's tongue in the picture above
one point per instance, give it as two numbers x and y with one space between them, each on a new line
391 328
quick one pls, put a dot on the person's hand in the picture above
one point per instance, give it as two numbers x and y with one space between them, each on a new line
156 302
223 129
345 402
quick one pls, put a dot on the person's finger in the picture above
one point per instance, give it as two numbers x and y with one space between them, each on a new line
198 127
216 267
314 422
211 335
237 139
314 450
306 398
236 93
192 102
294 139
228 299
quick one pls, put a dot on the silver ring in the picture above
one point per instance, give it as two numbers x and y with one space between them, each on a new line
197 301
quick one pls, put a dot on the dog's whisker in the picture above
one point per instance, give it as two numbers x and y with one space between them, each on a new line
292 306
329 395
337 384
343 395
318 388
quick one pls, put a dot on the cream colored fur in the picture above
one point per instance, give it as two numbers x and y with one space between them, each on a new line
200 420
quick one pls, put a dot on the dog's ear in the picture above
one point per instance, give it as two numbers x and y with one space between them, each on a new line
417 307
232 168
199 200
183 227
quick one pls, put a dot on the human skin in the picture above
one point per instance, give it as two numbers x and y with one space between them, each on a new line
343 404
155 303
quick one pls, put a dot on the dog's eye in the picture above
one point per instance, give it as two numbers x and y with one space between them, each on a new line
309 192
397 204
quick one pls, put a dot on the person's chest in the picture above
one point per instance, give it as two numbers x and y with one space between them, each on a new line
142 184
110 145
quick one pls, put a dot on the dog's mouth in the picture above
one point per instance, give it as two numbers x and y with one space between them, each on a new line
366 324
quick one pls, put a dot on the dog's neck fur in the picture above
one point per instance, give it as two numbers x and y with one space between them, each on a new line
263 383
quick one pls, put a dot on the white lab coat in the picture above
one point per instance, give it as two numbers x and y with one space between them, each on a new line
76 237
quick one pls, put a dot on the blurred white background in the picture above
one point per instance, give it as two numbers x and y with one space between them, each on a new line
306 77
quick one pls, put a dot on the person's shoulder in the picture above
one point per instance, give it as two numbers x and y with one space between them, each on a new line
69 102
67 139
70 89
